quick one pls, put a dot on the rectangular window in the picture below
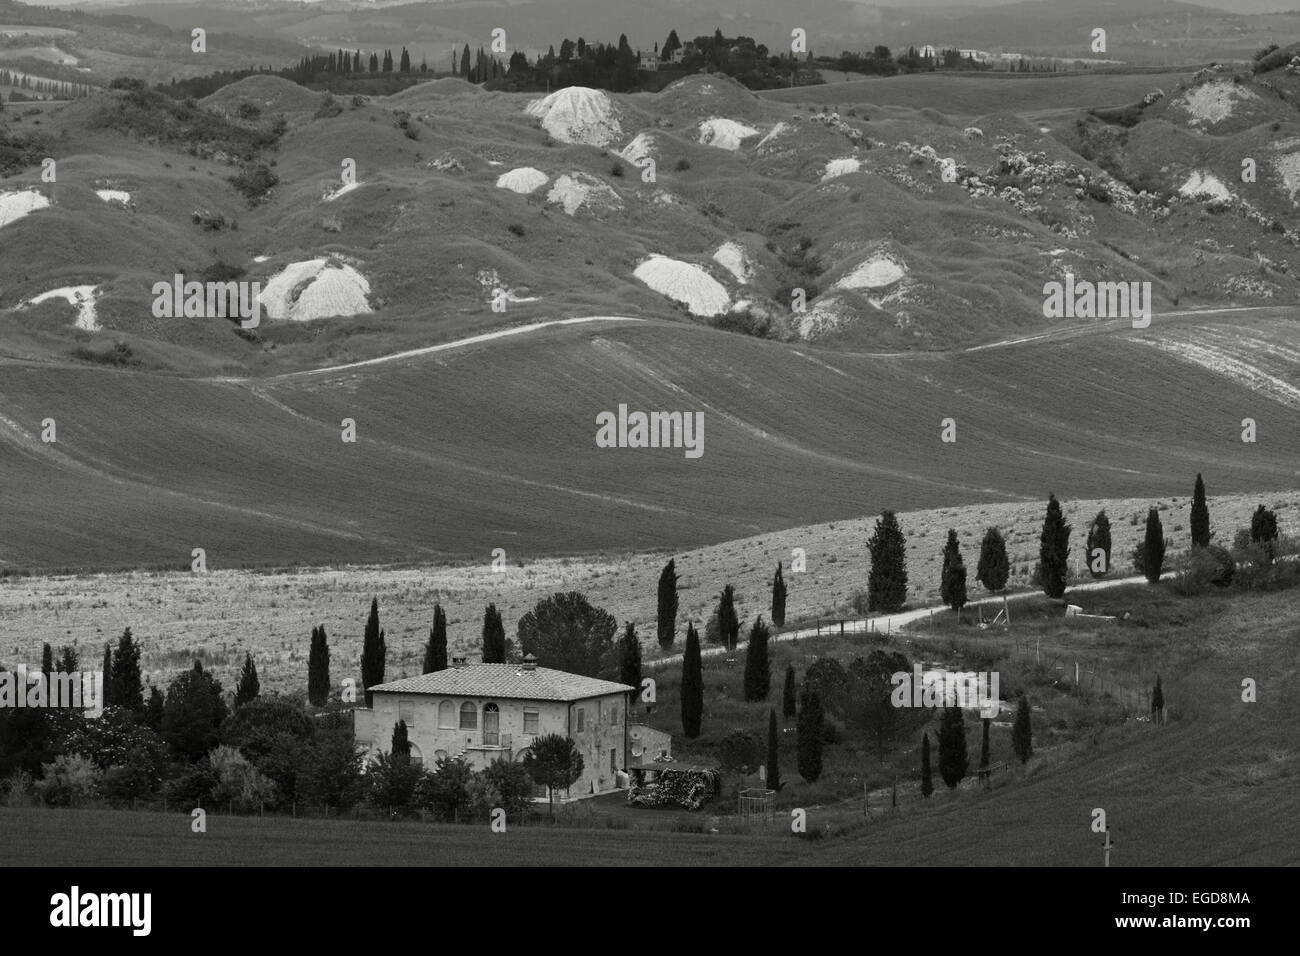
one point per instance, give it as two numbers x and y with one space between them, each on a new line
613 761
406 712
581 715
532 720
468 716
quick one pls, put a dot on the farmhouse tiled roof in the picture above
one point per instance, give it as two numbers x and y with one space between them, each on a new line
509 681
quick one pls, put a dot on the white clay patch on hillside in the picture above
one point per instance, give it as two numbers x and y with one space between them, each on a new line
16 205
840 167
334 193
114 195
772 134
1288 170
724 133
731 256
81 296
579 190
875 273
639 149
577 114
685 283
1205 186
523 180
315 289
1222 362
1214 102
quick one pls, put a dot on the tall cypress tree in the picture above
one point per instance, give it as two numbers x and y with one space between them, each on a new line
248 687
126 674
773 753
952 746
68 662
809 735
464 63
1200 515
927 775
47 663
318 668
1158 702
887 580
1022 735
401 746
952 581
110 684
788 705
373 652
629 666
435 652
667 620
1054 550
993 568
494 636
692 684
758 671
1153 547
778 598
728 623
1098 540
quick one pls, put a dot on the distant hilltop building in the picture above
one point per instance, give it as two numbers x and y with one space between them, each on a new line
650 61
487 712
978 55
927 51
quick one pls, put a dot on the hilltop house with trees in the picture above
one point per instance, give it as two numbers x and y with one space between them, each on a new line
489 712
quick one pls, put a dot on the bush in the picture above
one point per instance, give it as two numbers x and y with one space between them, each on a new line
254 181
516 229
683 165
119 355
616 170
193 788
238 783
70 781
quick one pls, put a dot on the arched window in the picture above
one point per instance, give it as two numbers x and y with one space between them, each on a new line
447 714
491 725
468 716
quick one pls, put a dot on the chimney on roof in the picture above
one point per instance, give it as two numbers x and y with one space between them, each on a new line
530 662
459 661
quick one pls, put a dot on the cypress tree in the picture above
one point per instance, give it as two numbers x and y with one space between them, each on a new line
629 668
1263 531
809 734
667 620
126 674
1153 547
758 671
887 580
405 62
952 581
68 662
927 777
464 63
494 636
993 568
778 598
1099 540
952 746
728 623
318 668
1158 702
984 750
1022 737
1054 550
47 663
773 753
110 685
788 706
373 653
248 687
1200 515
401 746
153 710
692 684
435 652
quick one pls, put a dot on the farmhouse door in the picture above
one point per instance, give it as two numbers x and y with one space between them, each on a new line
491 726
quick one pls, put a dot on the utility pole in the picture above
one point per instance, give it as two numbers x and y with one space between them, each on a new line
1107 845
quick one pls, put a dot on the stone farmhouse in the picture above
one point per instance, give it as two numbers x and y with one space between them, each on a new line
488 712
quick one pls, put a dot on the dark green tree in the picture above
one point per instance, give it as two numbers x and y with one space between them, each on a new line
667 620
1153 547
671 44
952 746
993 568
952 581
809 735
629 666
553 762
789 707
153 709
758 670
1022 737
1099 540
68 661
374 653
566 632
248 687
692 684
728 622
192 713
1200 515
927 777
984 750
110 683
47 663
887 580
128 684
773 753
494 636
404 64
318 668
778 598
1158 702
401 745
435 652
1263 531
1053 550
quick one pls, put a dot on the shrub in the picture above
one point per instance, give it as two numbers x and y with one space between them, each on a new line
120 355
254 181
683 165
516 229
238 783
616 170
71 780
